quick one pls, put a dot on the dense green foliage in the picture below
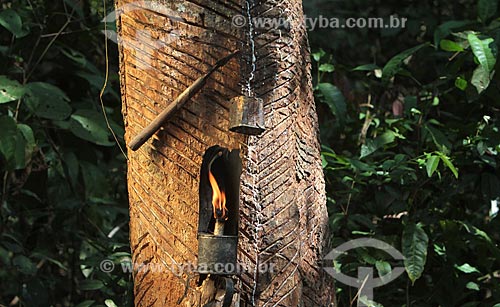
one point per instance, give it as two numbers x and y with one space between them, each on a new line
411 156
409 126
63 190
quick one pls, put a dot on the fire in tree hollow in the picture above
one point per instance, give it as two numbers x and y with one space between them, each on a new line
218 200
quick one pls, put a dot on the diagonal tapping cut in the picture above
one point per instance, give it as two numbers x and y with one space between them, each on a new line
184 97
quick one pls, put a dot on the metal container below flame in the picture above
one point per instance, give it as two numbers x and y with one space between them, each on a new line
217 254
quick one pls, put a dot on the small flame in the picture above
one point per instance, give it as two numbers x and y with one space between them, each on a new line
218 199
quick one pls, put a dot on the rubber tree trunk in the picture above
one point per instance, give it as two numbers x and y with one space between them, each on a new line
165 46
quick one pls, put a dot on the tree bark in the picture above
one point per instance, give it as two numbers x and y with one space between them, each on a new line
165 46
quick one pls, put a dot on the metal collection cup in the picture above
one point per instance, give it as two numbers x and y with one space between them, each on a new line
247 115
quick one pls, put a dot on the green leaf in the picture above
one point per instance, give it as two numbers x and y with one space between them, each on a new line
110 303
72 165
440 250
87 303
448 163
7 137
383 268
467 268
318 55
41 255
89 125
326 68
10 90
368 148
324 162
451 46
5 256
28 135
335 100
438 137
22 155
368 303
366 67
75 56
373 145
486 9
24 265
13 144
47 101
480 79
91 285
472 286
483 52
461 83
394 65
10 20
476 232
95 80
446 28
386 138
431 165
414 244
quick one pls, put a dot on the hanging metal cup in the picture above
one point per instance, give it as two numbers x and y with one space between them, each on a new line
247 115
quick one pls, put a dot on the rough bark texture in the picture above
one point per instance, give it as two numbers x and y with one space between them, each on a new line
283 212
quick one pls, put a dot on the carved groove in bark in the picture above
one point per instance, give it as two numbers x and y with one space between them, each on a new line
283 211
